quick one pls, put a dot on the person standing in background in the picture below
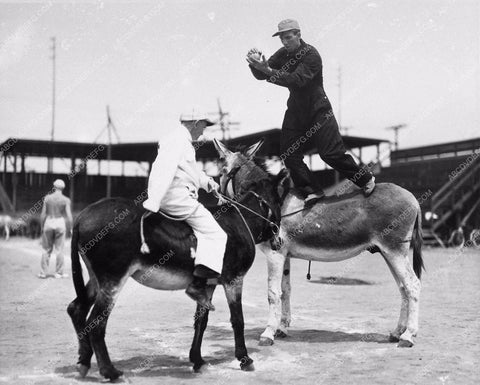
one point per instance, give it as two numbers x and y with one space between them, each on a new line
56 214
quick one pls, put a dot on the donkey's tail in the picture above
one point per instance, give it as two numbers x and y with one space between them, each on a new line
77 275
417 242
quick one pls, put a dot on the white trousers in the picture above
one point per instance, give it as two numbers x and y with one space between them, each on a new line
211 239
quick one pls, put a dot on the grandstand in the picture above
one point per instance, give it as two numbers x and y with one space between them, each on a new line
451 173
447 174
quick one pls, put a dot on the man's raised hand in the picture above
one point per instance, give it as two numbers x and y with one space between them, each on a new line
260 64
254 51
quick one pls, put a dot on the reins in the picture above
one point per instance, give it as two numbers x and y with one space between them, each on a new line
234 202
294 212
231 178
246 225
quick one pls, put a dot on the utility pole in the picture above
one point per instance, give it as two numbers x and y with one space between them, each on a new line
224 124
52 132
339 115
395 129
109 153
110 127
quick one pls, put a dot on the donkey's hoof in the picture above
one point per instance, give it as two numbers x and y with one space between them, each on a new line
265 341
82 370
280 334
247 365
200 367
111 373
405 344
393 338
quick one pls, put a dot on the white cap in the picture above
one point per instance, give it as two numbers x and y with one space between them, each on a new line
286 25
195 115
60 184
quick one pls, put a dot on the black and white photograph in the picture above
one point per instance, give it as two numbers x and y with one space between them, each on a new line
234 192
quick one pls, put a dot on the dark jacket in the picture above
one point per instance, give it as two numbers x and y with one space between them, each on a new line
301 73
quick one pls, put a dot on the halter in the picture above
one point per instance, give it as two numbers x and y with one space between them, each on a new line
231 177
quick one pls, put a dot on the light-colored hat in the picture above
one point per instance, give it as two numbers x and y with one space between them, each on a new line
60 184
286 25
195 115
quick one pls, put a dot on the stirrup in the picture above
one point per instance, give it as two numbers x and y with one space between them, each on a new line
369 187
199 297
313 198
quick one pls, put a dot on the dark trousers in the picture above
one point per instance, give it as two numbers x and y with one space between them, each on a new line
323 131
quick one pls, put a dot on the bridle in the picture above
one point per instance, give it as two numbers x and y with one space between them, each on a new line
231 178
271 217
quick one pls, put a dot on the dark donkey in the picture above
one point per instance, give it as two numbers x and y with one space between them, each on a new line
107 236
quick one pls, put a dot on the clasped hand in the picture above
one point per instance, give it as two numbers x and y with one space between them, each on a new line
257 60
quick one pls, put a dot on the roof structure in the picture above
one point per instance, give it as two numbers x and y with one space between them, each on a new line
147 151
435 151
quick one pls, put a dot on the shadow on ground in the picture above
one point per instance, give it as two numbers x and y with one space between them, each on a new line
295 335
327 336
341 281
156 365
165 365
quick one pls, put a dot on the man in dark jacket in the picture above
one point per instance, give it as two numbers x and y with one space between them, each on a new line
309 115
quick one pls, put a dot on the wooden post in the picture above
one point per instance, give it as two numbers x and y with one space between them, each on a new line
109 178
14 183
4 176
71 177
23 164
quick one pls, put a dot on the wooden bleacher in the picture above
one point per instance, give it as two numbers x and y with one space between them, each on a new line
451 172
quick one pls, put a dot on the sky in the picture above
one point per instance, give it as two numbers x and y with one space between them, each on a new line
401 62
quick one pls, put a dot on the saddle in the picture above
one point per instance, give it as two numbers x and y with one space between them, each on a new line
150 221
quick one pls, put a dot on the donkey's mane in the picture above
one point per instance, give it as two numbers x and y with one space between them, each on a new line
262 179
262 164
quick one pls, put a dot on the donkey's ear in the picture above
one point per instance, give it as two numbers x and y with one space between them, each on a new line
252 150
222 150
283 183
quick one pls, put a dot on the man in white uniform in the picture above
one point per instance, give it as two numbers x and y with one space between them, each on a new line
173 188
56 209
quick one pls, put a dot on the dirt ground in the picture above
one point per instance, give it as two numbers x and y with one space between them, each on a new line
338 335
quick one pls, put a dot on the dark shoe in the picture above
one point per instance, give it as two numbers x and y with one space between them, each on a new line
369 187
197 291
306 190
203 271
313 198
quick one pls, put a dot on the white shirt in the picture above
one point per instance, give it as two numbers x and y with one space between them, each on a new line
175 173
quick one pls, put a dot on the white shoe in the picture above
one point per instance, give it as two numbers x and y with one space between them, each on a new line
369 187
57 275
42 275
